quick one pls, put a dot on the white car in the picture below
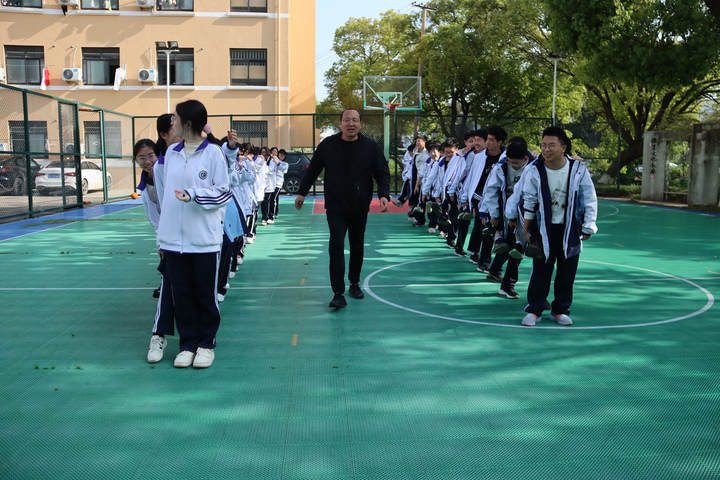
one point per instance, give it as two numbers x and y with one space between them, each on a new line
49 178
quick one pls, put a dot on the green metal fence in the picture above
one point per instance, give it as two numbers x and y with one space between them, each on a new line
57 154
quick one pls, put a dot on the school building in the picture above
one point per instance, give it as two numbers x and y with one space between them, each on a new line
249 58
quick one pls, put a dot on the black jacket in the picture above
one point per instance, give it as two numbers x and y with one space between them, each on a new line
349 171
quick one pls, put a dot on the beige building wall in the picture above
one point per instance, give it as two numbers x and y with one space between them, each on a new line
287 31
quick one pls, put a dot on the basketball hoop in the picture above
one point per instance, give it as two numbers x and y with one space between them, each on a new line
392 106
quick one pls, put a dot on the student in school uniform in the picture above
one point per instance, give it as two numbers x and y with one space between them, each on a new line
420 156
560 208
454 165
480 245
275 168
261 171
500 185
432 172
280 172
165 311
190 232
406 176
242 188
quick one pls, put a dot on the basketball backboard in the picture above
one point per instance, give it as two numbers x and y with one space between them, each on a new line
386 92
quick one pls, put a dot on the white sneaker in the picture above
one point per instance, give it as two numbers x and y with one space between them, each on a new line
203 358
227 286
184 359
156 349
432 230
530 319
250 240
220 297
562 319
264 222
231 274
271 221
239 260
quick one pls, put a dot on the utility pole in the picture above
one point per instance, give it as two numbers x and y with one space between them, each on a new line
425 8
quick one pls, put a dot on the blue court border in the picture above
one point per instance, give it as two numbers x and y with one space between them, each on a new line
24 227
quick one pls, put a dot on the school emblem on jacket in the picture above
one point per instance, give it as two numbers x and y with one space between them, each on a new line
202 174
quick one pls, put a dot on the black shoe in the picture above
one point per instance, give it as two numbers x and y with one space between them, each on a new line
156 293
474 258
517 251
450 244
355 292
494 278
534 251
338 301
508 292
483 268
460 252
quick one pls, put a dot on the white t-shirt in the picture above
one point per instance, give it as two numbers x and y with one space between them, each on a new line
557 181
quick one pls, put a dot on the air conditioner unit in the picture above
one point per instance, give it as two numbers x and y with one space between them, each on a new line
147 75
72 74
2 74
146 3
73 3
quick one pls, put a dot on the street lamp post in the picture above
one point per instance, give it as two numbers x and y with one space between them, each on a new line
167 49
555 57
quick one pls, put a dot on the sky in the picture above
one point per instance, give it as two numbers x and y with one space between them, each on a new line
331 14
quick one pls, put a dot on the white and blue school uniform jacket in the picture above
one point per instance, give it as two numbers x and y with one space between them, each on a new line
450 170
431 172
261 168
280 170
467 192
460 177
245 170
580 212
407 166
195 226
455 169
270 176
150 199
436 190
513 205
234 224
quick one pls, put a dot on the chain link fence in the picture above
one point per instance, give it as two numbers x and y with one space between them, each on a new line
57 154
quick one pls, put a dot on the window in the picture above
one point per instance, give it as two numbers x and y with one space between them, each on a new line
99 65
254 132
38 136
113 139
24 64
22 3
248 66
99 5
186 5
182 71
248 5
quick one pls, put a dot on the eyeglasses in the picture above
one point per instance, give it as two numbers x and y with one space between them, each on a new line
145 158
549 146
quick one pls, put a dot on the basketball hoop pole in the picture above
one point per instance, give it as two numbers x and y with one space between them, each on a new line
388 110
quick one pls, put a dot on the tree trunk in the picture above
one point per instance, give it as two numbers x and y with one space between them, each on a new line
631 153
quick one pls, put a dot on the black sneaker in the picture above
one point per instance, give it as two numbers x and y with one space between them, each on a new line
156 293
494 278
355 292
517 251
338 301
534 251
450 244
474 258
501 246
460 253
508 292
483 268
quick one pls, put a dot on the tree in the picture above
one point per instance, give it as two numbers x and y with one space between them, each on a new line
645 64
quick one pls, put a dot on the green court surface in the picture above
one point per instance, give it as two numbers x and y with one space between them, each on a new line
428 377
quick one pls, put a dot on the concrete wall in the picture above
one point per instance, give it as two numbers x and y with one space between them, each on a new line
704 182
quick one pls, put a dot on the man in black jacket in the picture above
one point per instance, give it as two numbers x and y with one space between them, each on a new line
351 161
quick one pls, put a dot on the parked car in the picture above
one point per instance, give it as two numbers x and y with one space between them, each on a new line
13 174
297 164
49 179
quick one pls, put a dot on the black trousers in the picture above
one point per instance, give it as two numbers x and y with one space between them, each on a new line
541 275
276 204
267 207
480 244
354 225
511 274
462 231
405 192
165 312
193 277
225 261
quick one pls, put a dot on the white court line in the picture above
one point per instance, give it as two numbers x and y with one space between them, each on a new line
706 307
617 210
408 285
